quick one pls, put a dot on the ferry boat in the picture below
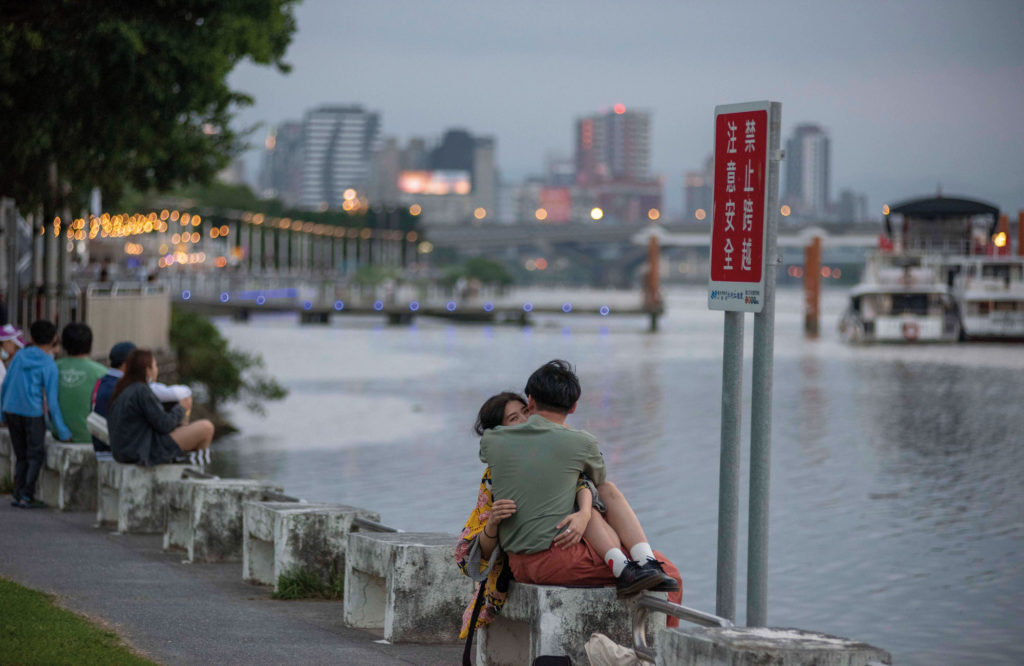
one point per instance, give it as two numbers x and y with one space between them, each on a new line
900 300
938 276
990 294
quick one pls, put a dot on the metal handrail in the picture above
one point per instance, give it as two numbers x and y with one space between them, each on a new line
646 603
274 496
190 473
373 525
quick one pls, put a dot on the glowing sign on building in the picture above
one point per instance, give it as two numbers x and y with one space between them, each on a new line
434 182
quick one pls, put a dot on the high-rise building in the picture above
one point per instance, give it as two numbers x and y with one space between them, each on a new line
808 171
450 181
338 146
613 145
485 175
699 191
383 179
454 153
613 164
281 172
851 207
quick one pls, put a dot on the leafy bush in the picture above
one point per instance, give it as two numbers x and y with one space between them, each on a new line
226 374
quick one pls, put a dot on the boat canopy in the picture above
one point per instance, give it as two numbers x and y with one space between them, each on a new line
942 208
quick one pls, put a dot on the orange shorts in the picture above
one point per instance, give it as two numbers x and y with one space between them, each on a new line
579 566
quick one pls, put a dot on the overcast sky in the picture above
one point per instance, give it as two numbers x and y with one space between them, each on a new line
912 93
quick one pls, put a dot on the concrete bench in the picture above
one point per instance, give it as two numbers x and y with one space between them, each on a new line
279 537
549 620
204 516
6 457
67 481
408 584
755 646
134 498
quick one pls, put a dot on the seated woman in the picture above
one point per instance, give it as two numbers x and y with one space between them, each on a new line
141 431
614 525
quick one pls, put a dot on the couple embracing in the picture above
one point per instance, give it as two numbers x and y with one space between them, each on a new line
546 513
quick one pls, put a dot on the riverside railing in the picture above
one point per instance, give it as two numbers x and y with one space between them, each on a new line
645 604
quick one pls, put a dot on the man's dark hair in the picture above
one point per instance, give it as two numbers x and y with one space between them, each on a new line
554 387
76 339
43 332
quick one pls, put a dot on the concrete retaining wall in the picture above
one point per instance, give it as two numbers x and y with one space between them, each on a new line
67 481
758 646
407 584
549 620
134 498
204 516
279 537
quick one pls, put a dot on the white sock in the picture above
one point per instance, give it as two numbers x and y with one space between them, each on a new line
617 560
206 455
192 458
641 552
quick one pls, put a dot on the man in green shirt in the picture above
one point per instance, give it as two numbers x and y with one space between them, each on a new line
78 377
538 464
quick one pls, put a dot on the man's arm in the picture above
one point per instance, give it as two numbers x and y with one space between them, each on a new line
51 379
593 463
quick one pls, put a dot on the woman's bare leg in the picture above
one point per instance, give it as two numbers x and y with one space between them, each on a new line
600 534
195 436
620 516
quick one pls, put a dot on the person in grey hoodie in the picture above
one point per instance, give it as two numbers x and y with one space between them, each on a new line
28 389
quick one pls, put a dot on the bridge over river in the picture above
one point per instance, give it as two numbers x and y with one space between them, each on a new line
316 302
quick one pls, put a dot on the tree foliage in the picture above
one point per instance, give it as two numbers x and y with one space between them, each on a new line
125 93
227 374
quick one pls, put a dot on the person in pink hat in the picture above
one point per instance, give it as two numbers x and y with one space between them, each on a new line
10 342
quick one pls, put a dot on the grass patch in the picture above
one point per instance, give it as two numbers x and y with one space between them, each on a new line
34 631
301 583
6 486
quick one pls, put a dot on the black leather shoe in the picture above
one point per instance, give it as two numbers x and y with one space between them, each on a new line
635 579
668 583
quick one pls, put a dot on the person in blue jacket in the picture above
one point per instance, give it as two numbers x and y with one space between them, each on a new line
28 389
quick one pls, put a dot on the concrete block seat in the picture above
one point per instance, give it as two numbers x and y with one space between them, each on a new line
282 536
68 479
205 517
6 457
406 583
134 498
758 646
550 620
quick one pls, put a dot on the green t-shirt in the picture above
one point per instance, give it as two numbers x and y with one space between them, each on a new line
537 464
78 377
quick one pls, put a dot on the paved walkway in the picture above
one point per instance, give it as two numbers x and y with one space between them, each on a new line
180 613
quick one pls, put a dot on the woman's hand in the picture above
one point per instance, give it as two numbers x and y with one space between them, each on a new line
186 402
575 525
500 510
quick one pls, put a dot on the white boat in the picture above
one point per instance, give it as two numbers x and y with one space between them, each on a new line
990 294
900 300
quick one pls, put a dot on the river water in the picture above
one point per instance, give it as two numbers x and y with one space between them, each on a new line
897 497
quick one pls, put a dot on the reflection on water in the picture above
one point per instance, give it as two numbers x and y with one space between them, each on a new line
896 480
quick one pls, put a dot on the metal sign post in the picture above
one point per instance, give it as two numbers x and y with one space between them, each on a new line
761 399
743 261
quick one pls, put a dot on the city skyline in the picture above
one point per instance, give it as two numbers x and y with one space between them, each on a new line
913 96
